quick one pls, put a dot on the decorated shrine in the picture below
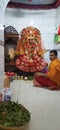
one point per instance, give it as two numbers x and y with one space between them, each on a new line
30 51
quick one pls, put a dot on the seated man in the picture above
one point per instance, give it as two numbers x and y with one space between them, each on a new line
51 79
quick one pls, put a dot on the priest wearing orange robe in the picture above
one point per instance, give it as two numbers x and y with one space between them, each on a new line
51 79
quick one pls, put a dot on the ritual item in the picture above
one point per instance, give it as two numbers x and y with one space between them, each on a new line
6 80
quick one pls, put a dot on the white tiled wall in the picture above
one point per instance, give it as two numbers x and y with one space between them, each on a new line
45 20
58 16
3 4
57 46
1 35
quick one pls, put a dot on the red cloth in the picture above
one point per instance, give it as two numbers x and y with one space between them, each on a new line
45 82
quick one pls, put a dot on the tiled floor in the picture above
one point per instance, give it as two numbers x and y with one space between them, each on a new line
43 104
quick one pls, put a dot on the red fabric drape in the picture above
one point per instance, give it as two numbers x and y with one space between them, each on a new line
30 6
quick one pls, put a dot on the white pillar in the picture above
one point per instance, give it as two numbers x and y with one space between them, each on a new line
3 4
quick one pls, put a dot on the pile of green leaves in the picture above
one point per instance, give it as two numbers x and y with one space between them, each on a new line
13 114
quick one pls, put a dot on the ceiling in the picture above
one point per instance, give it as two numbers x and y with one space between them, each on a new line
34 4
